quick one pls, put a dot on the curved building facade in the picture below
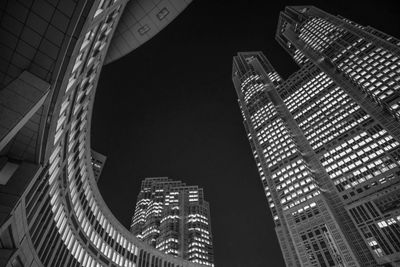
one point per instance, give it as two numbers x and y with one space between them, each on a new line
52 213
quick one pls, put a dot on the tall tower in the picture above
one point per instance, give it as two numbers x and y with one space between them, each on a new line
175 219
326 140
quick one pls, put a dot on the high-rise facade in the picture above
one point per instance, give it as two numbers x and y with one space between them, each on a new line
51 55
326 139
174 218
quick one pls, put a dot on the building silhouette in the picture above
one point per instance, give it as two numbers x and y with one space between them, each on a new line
326 139
51 55
175 219
98 161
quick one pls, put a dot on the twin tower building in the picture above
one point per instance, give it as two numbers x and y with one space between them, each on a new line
326 141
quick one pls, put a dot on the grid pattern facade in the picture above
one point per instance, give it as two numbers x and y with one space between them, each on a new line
175 219
288 169
372 67
60 218
339 110
362 156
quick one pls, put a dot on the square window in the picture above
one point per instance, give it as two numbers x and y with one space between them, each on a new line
163 13
144 29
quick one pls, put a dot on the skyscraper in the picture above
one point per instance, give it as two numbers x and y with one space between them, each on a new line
326 139
175 219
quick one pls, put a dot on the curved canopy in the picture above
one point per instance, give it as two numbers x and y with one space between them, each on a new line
141 20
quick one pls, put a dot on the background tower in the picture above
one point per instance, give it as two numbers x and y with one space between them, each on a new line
175 219
98 161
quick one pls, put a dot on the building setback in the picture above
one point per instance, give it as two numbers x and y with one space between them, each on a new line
326 139
175 219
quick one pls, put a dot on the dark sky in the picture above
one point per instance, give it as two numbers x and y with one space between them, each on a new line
170 109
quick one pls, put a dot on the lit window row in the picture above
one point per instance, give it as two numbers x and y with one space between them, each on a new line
299 57
328 117
319 33
277 142
262 115
252 89
377 72
307 91
363 156
169 217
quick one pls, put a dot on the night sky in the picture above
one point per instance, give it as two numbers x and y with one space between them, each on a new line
170 109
